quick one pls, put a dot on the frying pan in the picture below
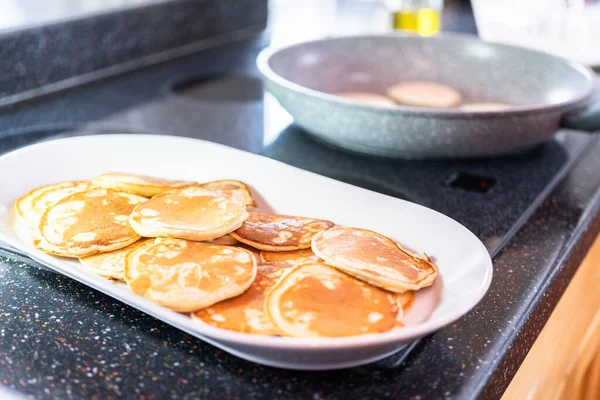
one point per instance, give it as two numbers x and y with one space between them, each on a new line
547 93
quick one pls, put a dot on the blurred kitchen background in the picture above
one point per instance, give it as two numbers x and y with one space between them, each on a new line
114 36
563 27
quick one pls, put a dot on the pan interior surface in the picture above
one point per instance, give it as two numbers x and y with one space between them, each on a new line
480 71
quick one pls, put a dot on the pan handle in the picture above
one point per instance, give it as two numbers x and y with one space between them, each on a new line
587 119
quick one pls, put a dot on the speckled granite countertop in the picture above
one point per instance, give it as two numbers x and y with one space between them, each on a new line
59 339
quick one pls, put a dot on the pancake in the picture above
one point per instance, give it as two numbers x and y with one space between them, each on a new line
295 258
234 190
188 276
373 258
41 244
226 240
255 252
406 300
140 185
32 206
482 107
89 222
372 99
111 264
191 213
424 94
274 264
273 232
246 312
317 300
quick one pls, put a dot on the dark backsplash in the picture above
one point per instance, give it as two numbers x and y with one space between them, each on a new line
47 58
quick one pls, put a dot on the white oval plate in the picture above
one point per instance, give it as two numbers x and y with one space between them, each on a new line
465 267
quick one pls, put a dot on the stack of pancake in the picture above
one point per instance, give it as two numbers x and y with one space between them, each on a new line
205 249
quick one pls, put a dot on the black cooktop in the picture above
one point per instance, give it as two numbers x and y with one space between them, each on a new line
491 197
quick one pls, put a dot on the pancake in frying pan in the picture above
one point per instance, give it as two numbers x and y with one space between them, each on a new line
273 232
188 276
424 94
373 258
318 300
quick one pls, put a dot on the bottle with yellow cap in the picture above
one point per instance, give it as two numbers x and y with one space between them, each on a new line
418 16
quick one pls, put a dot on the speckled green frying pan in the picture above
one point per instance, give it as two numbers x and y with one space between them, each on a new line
547 93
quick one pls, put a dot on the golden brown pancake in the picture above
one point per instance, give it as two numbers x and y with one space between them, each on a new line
274 264
255 252
188 276
406 300
373 258
482 107
226 240
295 258
424 94
41 244
111 264
32 206
246 312
234 190
140 185
372 99
89 222
191 213
317 300
275 232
